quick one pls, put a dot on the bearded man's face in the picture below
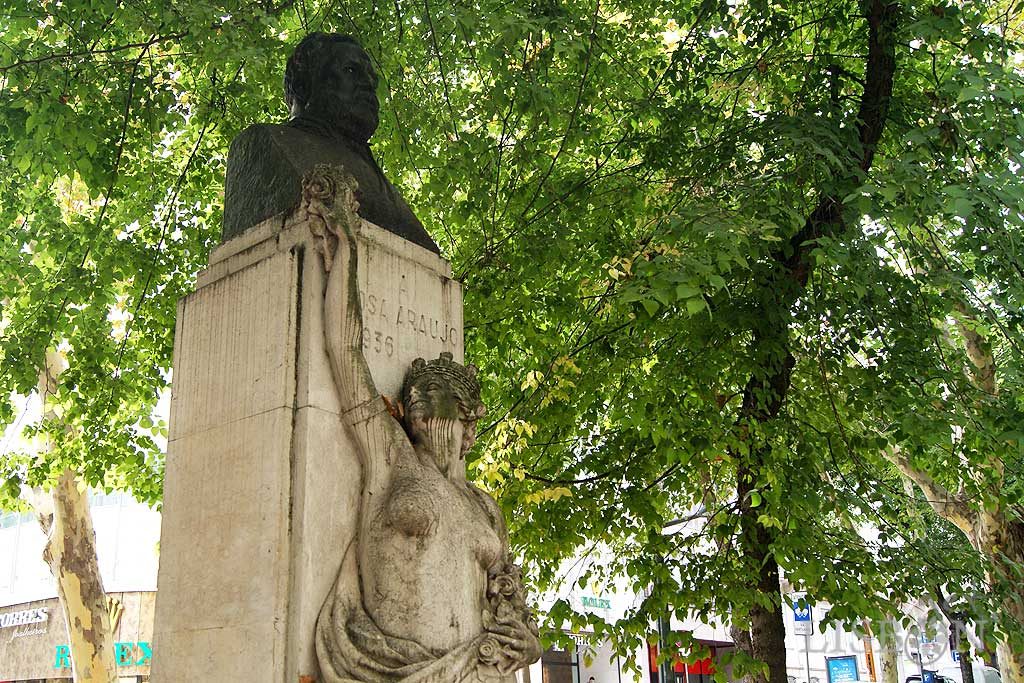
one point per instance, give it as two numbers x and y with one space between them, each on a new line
344 93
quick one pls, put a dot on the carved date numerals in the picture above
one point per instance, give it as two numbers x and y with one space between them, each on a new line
381 317
378 342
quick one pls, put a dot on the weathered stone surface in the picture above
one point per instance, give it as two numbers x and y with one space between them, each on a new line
262 480
291 488
330 86
426 589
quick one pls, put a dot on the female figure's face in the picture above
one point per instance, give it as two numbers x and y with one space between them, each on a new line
434 418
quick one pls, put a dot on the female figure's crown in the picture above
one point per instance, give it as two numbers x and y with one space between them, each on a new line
460 378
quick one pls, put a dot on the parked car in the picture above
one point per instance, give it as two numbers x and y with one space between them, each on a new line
931 677
982 674
951 674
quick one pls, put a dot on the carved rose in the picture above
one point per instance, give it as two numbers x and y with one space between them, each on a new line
502 584
331 187
505 610
489 651
508 614
332 203
320 185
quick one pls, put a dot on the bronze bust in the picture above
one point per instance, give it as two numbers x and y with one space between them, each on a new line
330 88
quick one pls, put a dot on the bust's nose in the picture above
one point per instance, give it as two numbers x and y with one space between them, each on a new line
363 76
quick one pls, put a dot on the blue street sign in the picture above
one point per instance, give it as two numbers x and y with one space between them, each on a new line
956 656
803 622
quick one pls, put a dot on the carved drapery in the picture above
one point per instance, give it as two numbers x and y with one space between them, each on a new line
352 645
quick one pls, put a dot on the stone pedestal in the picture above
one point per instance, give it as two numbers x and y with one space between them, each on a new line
262 483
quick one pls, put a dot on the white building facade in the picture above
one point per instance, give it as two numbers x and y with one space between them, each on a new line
814 654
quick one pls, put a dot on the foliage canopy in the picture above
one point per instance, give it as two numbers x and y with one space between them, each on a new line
625 190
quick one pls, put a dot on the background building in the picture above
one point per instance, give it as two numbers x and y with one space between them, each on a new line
33 636
813 654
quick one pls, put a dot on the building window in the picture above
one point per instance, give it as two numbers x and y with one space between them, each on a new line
560 666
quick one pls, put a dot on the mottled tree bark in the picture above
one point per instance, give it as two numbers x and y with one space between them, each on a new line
1002 541
989 527
996 535
889 646
70 552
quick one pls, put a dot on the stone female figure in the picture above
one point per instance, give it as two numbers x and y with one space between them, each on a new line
437 598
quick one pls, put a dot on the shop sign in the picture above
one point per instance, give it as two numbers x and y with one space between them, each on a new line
26 616
125 654
599 603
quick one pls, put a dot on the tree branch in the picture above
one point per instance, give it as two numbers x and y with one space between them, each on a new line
978 350
440 68
827 216
948 506
89 53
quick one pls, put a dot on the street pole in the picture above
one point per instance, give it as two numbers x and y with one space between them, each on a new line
807 656
920 657
666 669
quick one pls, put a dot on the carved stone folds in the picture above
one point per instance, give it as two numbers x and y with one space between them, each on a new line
425 591
262 481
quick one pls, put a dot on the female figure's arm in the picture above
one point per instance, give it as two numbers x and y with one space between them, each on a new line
343 315
363 408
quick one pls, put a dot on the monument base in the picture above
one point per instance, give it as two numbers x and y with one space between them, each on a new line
261 478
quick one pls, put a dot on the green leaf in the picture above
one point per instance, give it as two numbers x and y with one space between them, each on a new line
650 305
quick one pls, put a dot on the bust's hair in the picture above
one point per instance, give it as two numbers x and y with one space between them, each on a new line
304 66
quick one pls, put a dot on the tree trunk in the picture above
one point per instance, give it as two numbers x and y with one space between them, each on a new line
741 641
1002 541
70 552
766 390
999 541
962 646
957 635
889 645
966 670
767 626
998 537
768 630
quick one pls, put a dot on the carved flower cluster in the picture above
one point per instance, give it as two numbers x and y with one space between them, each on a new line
506 604
326 183
330 195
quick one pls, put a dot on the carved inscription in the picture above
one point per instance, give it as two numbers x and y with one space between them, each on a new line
385 322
